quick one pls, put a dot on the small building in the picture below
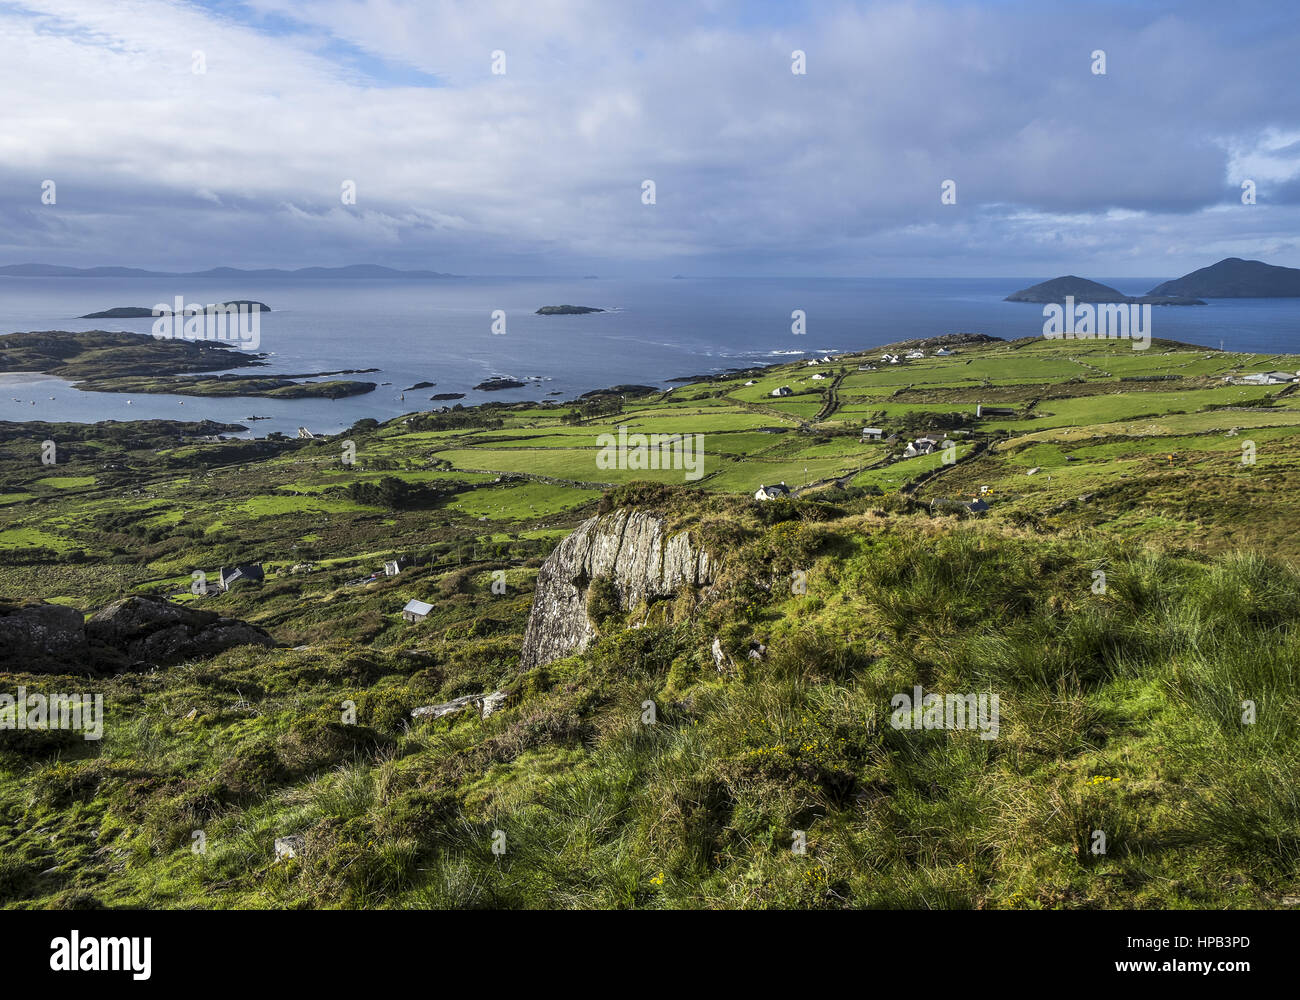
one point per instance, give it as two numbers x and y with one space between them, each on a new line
394 566
818 377
306 434
984 410
250 573
416 611
784 390
943 352
915 355
872 433
772 492
977 507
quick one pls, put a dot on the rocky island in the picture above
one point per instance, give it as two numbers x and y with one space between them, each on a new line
567 310
497 382
141 312
100 361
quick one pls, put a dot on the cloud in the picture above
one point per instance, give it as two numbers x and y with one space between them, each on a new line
757 170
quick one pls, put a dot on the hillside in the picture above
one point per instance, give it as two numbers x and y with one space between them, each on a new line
652 686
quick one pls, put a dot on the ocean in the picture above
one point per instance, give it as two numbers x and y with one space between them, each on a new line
654 330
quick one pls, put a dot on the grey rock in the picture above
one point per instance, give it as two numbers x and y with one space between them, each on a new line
627 546
42 638
153 631
485 703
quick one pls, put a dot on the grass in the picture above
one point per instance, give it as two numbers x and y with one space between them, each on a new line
1121 709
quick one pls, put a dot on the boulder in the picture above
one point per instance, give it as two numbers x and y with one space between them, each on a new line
631 549
42 638
153 631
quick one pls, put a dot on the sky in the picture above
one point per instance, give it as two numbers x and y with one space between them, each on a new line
185 135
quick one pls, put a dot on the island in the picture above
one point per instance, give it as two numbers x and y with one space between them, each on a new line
100 361
567 310
439 396
1084 290
1234 278
140 312
498 382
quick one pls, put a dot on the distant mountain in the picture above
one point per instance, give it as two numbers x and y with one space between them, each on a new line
1084 291
1234 278
350 271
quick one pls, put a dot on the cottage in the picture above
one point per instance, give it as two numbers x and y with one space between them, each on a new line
784 390
915 355
872 433
394 566
943 352
818 377
984 410
416 611
772 492
251 573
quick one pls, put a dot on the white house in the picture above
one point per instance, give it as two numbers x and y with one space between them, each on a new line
914 355
782 391
772 492
819 376
416 611
943 352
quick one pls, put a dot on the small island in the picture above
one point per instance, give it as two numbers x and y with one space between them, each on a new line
140 312
498 382
567 310
439 396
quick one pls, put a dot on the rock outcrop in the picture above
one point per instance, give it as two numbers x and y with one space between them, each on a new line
154 631
629 548
42 638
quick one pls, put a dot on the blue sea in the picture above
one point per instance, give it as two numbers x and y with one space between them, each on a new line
441 331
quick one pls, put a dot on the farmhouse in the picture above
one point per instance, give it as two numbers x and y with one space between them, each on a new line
1269 378
416 611
241 574
784 390
772 492
921 446
915 355
818 377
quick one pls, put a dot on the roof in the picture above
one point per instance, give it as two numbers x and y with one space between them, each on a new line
418 607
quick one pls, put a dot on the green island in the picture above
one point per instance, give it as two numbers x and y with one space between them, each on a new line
653 686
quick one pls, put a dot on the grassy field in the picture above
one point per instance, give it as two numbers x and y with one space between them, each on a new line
1122 708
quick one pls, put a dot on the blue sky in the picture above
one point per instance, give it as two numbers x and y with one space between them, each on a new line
757 170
